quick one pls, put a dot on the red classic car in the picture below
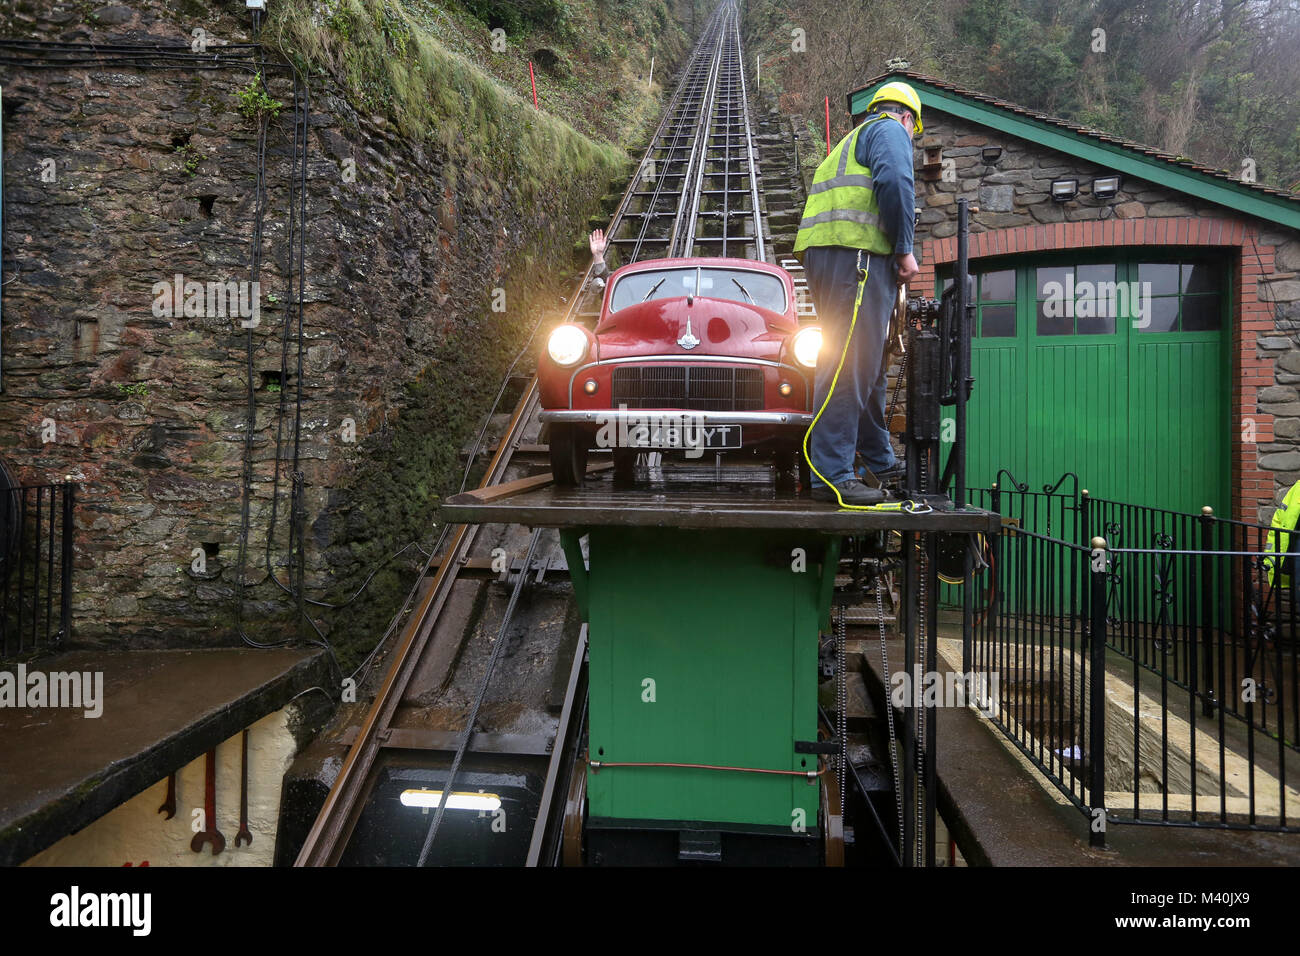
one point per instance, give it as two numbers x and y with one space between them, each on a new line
692 355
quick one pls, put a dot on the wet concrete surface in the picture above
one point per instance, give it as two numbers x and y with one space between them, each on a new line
1001 815
160 709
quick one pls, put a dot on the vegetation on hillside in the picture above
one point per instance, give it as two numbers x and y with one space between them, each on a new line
438 70
1213 81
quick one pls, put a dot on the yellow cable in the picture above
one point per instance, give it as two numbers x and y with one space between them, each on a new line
907 506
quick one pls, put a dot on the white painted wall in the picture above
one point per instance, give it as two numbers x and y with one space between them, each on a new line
135 831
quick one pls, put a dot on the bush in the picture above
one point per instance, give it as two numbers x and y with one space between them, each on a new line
515 16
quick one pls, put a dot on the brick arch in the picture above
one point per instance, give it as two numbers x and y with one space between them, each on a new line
1170 231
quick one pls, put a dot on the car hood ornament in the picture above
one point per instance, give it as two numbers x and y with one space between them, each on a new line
688 341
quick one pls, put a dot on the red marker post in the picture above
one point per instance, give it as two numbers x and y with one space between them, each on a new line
533 80
828 125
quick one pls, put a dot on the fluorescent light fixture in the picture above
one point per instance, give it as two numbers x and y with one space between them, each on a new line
457 801
1105 187
1063 190
991 154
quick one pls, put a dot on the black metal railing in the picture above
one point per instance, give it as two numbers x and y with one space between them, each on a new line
1053 512
36 536
1200 713
1031 649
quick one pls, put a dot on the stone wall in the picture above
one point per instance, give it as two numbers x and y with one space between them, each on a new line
1017 215
423 262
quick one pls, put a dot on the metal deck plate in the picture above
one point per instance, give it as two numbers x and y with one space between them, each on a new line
688 497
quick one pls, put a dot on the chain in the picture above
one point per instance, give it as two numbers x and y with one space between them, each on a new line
889 706
898 387
842 699
922 567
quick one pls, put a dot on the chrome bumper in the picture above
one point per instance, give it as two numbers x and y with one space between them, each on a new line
637 416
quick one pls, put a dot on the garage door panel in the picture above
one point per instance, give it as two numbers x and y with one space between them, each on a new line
1073 407
1177 423
995 424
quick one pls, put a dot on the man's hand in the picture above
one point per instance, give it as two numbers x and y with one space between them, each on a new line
907 268
598 245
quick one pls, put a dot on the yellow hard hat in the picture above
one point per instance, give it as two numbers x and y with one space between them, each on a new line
902 94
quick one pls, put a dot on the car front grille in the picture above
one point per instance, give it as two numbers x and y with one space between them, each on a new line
698 388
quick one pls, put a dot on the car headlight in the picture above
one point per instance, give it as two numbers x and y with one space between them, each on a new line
567 345
806 346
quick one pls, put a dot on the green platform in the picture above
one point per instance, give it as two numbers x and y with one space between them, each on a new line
691 585
703 650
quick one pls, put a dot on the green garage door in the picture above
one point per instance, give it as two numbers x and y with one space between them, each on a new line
1115 370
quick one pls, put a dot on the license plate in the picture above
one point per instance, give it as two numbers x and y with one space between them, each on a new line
677 431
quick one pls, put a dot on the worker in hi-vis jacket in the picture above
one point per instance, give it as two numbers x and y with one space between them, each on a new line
857 228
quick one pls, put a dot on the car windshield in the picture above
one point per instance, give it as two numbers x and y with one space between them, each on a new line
738 285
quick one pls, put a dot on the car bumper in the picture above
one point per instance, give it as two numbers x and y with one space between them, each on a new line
637 416
678 429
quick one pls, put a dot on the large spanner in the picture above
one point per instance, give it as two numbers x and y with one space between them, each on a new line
243 835
169 805
211 833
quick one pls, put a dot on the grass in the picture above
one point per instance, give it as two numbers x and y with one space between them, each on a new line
394 64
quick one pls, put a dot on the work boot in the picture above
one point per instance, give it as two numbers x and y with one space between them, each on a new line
892 475
852 492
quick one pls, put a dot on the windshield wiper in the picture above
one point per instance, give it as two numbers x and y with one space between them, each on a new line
742 289
654 288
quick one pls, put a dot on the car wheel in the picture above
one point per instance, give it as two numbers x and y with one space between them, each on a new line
568 455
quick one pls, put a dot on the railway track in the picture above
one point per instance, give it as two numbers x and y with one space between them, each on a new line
446 718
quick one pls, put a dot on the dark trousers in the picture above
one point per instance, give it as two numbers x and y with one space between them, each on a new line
854 418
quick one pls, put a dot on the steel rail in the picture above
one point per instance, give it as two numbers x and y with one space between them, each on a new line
679 243
687 99
760 249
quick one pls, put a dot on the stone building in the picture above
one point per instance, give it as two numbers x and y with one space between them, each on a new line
1136 312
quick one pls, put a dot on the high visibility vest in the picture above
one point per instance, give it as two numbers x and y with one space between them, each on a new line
842 208
1279 539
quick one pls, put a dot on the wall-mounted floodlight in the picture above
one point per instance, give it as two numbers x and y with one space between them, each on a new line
1063 190
991 154
1105 187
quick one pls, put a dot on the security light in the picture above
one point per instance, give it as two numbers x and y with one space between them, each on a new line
1063 190
991 154
1105 187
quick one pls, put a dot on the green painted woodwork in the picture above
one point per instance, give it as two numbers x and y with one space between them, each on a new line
1140 416
571 541
727 631
1234 196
